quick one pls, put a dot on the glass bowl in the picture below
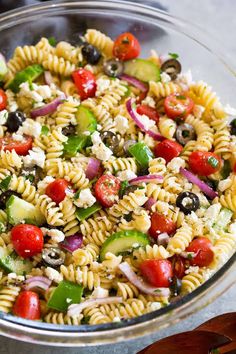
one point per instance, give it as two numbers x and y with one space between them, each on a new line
165 33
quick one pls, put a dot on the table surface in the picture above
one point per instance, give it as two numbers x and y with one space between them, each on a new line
220 22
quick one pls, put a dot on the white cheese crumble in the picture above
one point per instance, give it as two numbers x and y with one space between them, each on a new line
185 79
116 319
14 276
147 123
86 199
44 183
175 164
126 175
102 85
232 228
165 78
56 235
155 306
3 116
53 275
36 156
12 105
213 211
149 101
99 293
17 137
30 127
121 124
224 184
99 149
192 269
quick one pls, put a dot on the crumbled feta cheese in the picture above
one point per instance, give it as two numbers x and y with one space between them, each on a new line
72 99
207 274
12 105
17 137
175 164
36 156
53 275
232 228
45 91
149 101
69 193
99 293
230 110
116 319
68 300
126 175
102 85
44 183
224 184
12 276
185 79
99 149
3 116
192 269
56 235
135 245
86 199
30 127
155 306
165 78
99 127
121 124
147 123
213 211
86 133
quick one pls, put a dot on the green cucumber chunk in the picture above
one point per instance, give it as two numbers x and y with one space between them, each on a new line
86 121
142 69
3 69
223 219
141 153
75 144
64 295
123 241
84 213
12 263
4 184
18 211
226 169
30 74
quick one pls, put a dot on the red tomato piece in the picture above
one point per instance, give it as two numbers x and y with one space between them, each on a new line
178 106
160 224
179 267
141 97
56 190
3 100
126 47
149 112
107 189
85 83
204 255
168 149
21 147
27 305
204 163
27 240
157 272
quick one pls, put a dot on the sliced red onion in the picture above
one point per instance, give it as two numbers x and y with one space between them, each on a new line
202 185
140 283
146 179
133 114
3 58
135 82
37 282
92 168
163 239
72 243
150 202
48 108
48 77
76 309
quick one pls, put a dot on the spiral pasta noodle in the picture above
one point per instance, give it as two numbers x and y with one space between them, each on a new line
100 40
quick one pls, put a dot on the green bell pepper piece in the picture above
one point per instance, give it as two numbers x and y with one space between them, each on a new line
141 153
64 295
84 213
75 144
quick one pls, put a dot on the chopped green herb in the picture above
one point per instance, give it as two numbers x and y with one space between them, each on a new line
76 196
213 161
30 178
85 320
215 351
31 87
190 255
181 97
44 130
174 55
2 227
123 186
52 41
4 184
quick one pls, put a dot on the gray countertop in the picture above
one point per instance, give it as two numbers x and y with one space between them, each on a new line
217 17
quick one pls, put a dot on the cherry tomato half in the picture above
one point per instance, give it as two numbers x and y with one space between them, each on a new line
157 272
27 305
178 106
85 83
204 163
126 47
204 255
168 149
179 266
107 189
27 240
160 224
56 190
21 147
148 111
3 100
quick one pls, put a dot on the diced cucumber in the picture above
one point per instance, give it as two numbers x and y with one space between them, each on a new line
84 213
3 68
226 169
18 211
86 121
65 294
30 74
123 241
13 263
223 219
142 69
141 153
74 144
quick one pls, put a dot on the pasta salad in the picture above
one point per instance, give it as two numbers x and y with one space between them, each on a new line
117 179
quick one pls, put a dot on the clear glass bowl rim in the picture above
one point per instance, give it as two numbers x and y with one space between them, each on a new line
84 335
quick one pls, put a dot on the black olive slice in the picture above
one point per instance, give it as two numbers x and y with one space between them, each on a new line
111 141
91 53
53 256
184 133
187 202
233 127
172 67
113 67
14 121
176 285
